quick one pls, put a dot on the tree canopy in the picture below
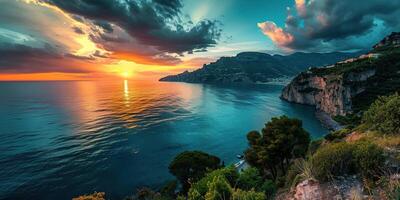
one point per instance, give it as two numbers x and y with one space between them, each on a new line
281 140
190 166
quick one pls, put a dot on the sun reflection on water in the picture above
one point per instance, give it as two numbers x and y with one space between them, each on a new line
126 89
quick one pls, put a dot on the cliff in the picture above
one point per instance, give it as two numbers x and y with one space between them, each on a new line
351 85
254 67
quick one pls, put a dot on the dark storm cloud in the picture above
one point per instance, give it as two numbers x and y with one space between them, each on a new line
155 23
16 58
78 30
334 23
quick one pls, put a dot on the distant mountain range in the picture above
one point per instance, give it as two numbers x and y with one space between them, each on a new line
255 67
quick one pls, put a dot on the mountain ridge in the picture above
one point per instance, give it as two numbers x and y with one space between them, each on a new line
257 67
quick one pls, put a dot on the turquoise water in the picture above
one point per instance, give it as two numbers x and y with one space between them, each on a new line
62 139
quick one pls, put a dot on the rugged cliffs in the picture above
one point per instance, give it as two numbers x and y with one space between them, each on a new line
254 67
350 85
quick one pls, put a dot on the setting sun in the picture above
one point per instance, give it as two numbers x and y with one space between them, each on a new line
125 74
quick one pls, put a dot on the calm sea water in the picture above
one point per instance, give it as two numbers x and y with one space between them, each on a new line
62 139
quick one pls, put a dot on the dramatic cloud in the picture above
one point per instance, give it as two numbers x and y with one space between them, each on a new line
334 24
276 34
156 24
16 58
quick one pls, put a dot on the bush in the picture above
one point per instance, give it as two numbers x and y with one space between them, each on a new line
344 158
337 135
269 189
248 195
94 196
168 190
250 179
384 115
218 189
200 188
314 146
333 160
369 159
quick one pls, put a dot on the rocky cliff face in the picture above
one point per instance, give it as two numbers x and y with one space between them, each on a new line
330 93
350 84
392 40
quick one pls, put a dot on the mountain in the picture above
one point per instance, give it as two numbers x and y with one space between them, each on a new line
350 86
254 67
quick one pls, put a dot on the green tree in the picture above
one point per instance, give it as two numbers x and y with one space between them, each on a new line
281 140
200 188
250 179
190 166
219 189
384 115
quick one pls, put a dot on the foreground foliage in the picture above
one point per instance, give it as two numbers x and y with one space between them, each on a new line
384 115
191 166
344 158
281 140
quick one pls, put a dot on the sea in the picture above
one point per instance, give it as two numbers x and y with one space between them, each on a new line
62 139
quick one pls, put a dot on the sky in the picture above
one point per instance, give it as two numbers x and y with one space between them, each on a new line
148 39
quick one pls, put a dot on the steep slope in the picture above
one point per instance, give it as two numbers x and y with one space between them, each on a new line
253 67
350 86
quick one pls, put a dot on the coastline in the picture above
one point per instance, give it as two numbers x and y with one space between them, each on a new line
327 121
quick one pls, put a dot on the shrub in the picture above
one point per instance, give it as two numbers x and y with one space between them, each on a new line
269 188
337 135
250 179
333 160
248 195
384 114
218 189
200 188
344 158
94 196
314 146
168 190
369 159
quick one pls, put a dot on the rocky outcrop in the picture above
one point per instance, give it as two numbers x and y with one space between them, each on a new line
330 93
310 189
392 40
352 84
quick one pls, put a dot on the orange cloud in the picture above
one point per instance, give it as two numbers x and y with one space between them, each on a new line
276 34
301 7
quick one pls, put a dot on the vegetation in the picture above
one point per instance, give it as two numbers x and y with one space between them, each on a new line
386 81
282 139
384 114
337 135
344 158
94 196
190 166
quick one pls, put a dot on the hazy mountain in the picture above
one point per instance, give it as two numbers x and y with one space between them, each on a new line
253 67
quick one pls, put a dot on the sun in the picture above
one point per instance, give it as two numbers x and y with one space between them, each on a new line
125 74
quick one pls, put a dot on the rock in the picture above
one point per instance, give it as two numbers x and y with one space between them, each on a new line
330 93
308 190
391 40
